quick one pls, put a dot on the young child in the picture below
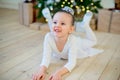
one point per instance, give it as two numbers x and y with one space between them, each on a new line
62 43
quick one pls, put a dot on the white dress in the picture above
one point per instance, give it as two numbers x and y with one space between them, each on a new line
75 47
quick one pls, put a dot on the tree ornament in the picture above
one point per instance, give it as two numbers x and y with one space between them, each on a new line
39 5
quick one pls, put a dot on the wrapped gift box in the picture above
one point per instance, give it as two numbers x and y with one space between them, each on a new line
104 20
115 23
28 13
109 21
25 13
117 4
117 1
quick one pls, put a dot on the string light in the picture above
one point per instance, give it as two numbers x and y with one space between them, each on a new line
87 7
63 2
72 1
81 0
82 6
92 4
83 9
62 5
77 7
71 6
68 2
88 11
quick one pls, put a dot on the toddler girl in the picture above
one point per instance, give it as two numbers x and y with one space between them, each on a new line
61 43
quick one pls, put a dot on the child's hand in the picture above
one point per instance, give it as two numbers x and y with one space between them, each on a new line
55 76
39 76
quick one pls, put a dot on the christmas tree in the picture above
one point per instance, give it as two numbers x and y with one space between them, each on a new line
80 7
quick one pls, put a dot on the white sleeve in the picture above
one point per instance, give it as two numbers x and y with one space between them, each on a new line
72 58
46 51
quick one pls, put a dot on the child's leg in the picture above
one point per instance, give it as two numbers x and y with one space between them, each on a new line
47 15
90 39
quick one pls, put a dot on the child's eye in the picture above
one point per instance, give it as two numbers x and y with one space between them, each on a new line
55 22
62 23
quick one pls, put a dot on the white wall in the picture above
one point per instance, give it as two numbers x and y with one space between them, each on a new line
12 4
108 3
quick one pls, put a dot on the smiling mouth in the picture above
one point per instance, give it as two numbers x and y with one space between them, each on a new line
57 30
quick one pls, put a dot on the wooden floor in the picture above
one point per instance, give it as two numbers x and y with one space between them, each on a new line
21 53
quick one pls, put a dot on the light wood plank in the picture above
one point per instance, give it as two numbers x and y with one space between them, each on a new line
23 67
112 70
97 66
11 40
20 47
17 60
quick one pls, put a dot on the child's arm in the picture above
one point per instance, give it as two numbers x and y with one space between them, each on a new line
68 66
40 75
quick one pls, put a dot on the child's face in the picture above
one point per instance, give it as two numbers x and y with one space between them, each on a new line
62 24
